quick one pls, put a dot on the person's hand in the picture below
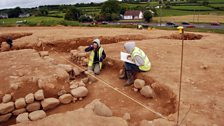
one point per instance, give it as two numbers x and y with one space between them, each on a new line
101 59
129 57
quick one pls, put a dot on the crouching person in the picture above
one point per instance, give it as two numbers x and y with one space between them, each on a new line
97 55
140 60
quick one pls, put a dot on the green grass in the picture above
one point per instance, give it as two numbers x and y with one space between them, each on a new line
216 1
171 12
32 21
192 8
216 5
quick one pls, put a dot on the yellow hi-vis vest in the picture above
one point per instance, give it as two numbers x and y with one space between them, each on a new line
139 52
91 57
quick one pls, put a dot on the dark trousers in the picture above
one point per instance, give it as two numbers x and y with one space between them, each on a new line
131 68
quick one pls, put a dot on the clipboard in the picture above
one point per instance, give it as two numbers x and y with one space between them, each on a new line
124 57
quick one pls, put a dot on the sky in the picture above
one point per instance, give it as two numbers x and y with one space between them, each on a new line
34 3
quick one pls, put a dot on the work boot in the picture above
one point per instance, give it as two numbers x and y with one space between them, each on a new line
130 77
123 74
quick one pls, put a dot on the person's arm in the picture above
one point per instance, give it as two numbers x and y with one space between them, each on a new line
103 56
90 48
138 60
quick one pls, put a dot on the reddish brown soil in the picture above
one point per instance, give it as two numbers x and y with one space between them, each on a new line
203 70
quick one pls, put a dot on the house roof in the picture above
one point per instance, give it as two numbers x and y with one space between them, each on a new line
132 13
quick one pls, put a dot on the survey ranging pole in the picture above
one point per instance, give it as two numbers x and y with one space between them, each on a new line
181 31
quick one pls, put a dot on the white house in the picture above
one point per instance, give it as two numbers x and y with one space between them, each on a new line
2 16
24 15
133 15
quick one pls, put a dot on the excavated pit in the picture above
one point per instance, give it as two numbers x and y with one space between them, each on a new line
164 103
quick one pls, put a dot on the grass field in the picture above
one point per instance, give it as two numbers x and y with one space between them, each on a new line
193 8
38 21
192 18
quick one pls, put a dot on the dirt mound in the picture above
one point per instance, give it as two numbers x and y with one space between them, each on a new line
187 36
14 36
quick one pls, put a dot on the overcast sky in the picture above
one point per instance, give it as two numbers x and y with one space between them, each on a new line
34 3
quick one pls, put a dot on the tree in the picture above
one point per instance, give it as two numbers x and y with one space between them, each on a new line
147 16
85 18
205 2
14 13
192 1
73 14
124 8
110 10
111 6
42 12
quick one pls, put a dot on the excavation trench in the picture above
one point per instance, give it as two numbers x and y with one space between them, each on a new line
164 102
13 36
69 44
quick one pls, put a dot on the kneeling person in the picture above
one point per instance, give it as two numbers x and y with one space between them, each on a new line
96 57
141 63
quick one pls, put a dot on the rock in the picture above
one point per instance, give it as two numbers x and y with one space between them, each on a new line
47 82
39 95
139 84
80 99
161 122
37 115
80 117
24 117
135 89
49 103
33 106
102 110
79 92
18 111
148 92
29 98
74 82
73 86
145 123
81 83
204 67
44 53
39 44
66 67
74 100
82 54
6 98
20 103
92 78
85 80
76 71
6 107
14 86
121 71
4 118
62 92
99 108
66 98
127 116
